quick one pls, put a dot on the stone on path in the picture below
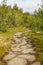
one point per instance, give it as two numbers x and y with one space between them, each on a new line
29 50
17 61
36 63
28 57
17 35
9 56
16 49
21 52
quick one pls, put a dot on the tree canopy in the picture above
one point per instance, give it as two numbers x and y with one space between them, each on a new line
14 16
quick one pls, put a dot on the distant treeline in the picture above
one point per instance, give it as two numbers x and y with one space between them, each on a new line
14 17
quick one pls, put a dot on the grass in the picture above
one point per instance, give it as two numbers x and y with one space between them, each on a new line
11 31
1 63
2 51
37 40
8 35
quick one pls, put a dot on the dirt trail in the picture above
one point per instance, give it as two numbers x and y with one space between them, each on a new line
21 52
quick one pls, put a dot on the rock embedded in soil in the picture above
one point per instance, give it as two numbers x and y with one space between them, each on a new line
17 61
9 56
29 50
28 57
21 52
36 63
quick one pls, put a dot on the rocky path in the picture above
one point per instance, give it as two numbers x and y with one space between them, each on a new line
21 52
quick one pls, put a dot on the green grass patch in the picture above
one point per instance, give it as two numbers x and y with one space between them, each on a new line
8 35
11 31
37 40
2 51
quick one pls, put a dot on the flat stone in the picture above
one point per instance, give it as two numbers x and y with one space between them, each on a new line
18 46
19 34
14 45
30 50
17 61
16 49
23 42
17 52
36 63
29 45
24 47
17 40
28 57
8 56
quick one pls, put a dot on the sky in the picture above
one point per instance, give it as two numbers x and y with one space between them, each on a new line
27 5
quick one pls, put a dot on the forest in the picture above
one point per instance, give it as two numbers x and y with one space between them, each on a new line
13 19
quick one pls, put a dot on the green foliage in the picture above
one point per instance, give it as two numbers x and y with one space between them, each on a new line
14 17
37 41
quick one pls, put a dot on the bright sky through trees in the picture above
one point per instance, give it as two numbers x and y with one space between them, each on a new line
27 5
